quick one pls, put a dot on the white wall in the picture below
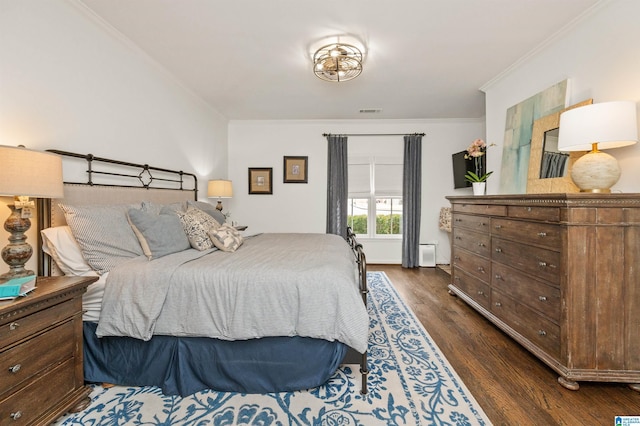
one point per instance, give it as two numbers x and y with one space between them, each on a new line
600 55
68 82
302 207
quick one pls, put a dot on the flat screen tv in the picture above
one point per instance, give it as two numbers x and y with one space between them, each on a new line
461 166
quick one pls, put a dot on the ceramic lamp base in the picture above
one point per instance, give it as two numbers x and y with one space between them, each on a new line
595 172
18 251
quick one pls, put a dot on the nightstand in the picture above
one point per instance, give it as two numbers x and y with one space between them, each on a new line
41 361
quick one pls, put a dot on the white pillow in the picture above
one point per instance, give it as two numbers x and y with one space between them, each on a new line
59 243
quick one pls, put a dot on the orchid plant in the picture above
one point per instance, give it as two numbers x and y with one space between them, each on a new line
476 150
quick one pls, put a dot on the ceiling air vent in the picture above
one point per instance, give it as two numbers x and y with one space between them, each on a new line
370 111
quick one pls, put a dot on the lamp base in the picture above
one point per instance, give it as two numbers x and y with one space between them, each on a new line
18 251
219 206
595 172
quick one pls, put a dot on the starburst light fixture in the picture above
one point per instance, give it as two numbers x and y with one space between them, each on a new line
337 62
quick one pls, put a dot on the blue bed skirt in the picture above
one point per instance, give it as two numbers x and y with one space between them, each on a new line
184 365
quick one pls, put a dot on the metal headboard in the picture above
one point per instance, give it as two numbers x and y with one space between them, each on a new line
114 174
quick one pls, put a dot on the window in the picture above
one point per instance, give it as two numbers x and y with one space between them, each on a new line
375 196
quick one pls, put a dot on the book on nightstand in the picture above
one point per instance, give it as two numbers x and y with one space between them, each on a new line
17 287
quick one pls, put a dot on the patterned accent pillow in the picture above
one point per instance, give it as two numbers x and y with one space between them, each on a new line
209 209
226 238
103 234
197 225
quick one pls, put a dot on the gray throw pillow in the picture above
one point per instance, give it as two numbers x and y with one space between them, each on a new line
103 234
158 234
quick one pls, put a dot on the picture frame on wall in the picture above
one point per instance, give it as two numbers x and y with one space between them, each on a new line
295 169
260 180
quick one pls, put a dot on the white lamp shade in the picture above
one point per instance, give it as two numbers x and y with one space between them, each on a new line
30 173
220 188
609 124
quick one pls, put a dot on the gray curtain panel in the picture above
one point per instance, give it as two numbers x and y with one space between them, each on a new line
411 198
337 185
553 164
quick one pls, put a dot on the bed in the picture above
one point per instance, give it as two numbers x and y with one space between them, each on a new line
252 314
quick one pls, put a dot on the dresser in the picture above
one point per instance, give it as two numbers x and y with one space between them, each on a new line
41 371
559 273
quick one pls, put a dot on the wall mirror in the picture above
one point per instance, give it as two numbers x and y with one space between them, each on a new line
549 169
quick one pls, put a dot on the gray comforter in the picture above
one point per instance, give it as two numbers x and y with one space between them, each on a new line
273 285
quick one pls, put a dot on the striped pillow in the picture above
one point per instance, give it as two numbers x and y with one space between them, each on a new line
103 234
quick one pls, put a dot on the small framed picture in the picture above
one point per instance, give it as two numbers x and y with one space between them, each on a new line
295 169
260 180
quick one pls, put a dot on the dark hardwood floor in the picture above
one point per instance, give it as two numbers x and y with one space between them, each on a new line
512 386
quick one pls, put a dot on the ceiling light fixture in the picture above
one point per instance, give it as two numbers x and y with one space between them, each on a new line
337 62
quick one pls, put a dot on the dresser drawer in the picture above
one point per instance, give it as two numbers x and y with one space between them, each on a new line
473 287
26 359
476 242
542 234
484 209
539 296
533 326
32 401
475 223
541 263
20 328
548 214
473 264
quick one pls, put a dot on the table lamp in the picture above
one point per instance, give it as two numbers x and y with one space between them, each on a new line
219 189
593 127
25 173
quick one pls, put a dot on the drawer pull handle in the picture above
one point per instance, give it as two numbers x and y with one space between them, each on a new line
458 220
481 293
15 368
458 238
498 250
498 304
16 415
498 277
456 257
528 209
542 264
498 226
480 269
542 333
481 245
542 298
542 234
457 278
483 224
13 326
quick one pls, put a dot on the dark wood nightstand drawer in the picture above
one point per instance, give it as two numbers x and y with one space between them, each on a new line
27 359
32 401
19 327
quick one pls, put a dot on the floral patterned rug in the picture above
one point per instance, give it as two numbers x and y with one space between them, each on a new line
410 383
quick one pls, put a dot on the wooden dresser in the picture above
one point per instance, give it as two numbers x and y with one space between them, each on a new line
560 273
41 371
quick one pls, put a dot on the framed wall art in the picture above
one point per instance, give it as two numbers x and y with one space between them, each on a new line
260 180
295 169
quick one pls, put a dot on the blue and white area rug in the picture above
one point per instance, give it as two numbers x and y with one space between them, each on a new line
410 383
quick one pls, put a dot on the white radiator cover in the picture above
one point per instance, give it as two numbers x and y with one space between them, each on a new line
427 255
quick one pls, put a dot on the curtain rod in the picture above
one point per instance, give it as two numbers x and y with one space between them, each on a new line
373 134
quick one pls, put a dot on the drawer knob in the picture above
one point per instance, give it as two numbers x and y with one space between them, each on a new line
457 220
542 264
456 257
13 326
480 269
483 224
481 293
542 298
16 415
458 238
498 304
498 226
498 277
498 250
542 234
15 368
480 244
542 333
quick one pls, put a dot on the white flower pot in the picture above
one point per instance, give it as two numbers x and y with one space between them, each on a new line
479 188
